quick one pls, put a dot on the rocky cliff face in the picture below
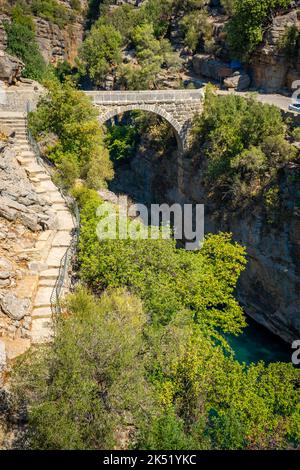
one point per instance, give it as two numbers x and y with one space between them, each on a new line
23 214
271 68
269 289
56 44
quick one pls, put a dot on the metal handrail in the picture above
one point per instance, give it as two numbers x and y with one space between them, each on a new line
72 249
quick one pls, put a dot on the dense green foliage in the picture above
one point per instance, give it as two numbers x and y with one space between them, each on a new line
167 279
50 10
121 141
22 43
195 25
142 30
67 118
246 27
151 54
244 143
111 379
101 52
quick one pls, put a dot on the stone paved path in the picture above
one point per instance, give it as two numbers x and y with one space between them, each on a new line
51 245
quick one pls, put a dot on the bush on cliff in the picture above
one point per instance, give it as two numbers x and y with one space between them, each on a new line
22 43
244 143
78 150
246 27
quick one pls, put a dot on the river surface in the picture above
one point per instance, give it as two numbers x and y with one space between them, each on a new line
257 343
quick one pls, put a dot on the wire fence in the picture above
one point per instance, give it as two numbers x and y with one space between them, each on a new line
69 257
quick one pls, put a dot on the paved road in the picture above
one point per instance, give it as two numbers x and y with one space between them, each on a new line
280 101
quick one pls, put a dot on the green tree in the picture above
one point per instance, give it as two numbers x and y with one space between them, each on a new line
79 150
197 29
244 143
101 52
151 54
89 385
246 27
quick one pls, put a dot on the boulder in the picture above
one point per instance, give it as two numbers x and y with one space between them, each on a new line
237 81
206 66
10 68
13 307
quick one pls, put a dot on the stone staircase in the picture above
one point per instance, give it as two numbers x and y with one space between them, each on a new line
51 245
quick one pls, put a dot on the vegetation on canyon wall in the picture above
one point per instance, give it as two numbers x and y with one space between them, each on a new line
21 42
67 121
245 143
135 45
50 10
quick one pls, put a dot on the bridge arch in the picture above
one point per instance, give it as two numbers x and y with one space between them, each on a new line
178 107
177 128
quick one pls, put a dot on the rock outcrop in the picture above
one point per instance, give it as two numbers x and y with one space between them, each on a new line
238 81
10 68
18 201
272 69
56 44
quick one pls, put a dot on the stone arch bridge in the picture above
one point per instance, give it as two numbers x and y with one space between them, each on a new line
178 107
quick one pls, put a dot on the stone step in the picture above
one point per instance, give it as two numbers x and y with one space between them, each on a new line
65 220
43 297
55 197
42 176
59 206
49 274
55 256
62 239
33 169
25 161
41 331
27 153
47 283
22 148
46 187
42 312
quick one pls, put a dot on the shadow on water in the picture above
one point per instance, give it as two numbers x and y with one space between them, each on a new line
257 343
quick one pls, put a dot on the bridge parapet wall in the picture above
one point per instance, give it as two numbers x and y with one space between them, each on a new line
178 107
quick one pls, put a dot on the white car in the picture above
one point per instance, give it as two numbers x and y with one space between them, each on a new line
295 107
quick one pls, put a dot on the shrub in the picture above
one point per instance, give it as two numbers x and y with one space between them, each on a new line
244 143
246 27
101 52
53 11
22 43
288 42
86 386
296 134
70 115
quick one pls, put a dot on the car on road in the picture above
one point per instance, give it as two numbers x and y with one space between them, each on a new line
295 107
